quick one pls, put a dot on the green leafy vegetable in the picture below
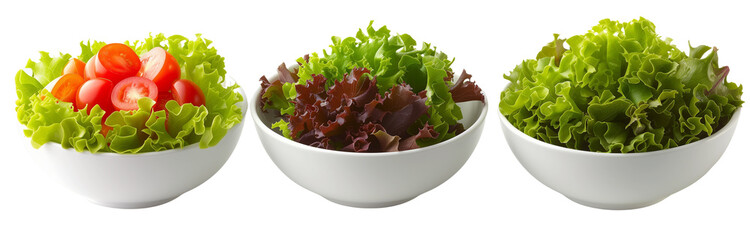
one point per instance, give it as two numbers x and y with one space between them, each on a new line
620 88
49 120
390 61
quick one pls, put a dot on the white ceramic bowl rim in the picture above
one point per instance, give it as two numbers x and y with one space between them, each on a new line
254 102
514 130
242 104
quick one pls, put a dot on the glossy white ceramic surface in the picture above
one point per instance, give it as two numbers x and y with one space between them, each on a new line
370 179
617 180
137 180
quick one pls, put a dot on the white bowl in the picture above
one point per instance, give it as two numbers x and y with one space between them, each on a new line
137 180
370 180
617 180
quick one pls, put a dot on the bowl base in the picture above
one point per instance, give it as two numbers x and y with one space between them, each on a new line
134 205
369 204
610 206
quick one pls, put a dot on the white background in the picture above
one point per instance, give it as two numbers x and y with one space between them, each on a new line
491 197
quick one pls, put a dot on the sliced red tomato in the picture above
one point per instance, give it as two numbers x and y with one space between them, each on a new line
186 91
161 67
126 93
162 100
116 61
67 86
74 66
89 71
93 92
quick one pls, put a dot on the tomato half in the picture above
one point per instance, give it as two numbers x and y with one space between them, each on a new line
116 61
186 91
126 93
74 66
89 71
95 91
162 100
66 87
161 67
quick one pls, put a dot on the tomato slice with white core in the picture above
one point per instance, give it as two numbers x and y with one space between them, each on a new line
67 86
116 61
161 67
126 93
186 91
74 66
95 91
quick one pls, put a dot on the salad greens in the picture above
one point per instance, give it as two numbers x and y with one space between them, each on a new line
393 92
49 120
620 88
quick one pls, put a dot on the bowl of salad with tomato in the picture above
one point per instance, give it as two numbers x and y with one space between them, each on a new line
132 124
374 122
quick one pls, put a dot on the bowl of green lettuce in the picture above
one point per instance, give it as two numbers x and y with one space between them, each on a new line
619 117
148 157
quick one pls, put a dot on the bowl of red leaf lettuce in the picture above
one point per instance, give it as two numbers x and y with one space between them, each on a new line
374 122
619 117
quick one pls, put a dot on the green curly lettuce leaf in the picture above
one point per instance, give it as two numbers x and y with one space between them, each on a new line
620 88
49 120
394 59
54 121
443 112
